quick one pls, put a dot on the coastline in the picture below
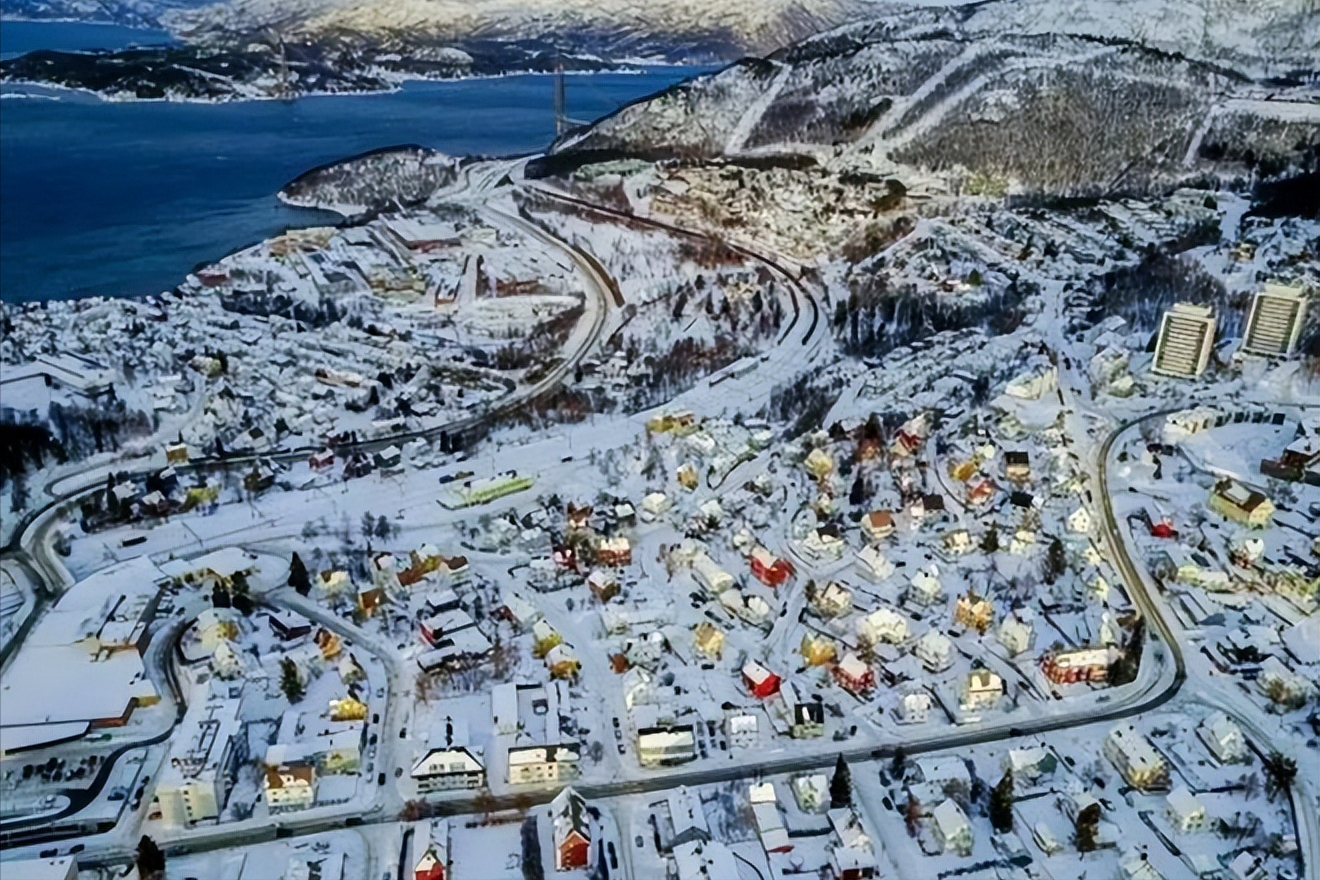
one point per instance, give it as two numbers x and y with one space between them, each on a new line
397 84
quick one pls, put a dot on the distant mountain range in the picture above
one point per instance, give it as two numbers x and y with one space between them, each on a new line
130 13
270 47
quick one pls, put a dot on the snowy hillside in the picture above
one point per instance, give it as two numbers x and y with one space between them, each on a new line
937 88
130 13
614 26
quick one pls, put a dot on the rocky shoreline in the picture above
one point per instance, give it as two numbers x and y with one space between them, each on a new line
205 73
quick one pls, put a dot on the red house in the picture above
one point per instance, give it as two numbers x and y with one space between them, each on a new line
322 460
760 681
1163 529
565 558
770 569
1079 664
854 675
572 833
430 866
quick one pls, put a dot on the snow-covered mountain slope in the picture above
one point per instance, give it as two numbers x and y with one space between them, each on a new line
614 26
1261 37
943 88
130 13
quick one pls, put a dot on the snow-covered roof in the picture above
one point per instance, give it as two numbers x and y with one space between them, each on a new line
950 818
444 762
1183 802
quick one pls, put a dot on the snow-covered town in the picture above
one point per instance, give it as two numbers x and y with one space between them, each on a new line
711 517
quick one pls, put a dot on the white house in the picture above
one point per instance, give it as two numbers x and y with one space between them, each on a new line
934 650
539 764
1223 738
666 745
833 601
822 543
523 613
288 788
877 525
811 792
1028 765
872 564
504 707
1080 522
1185 813
215 625
742 729
446 768
1015 632
1135 757
1247 866
710 575
914 708
926 588
882 625
225 661
981 690
654 504
951 828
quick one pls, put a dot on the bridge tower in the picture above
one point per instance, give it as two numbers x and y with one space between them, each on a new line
562 123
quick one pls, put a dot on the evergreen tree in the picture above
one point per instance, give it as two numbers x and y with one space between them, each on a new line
298 578
898 767
111 501
150 859
1280 771
990 541
220 597
1056 561
1001 805
858 493
841 785
290 683
1085 828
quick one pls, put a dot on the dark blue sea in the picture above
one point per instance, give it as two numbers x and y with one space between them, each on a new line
123 199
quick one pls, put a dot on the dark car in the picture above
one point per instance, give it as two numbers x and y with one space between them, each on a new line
380 778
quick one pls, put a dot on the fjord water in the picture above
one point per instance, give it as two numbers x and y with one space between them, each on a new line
19 37
121 199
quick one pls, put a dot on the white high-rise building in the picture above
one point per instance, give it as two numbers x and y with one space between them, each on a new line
1187 333
1275 321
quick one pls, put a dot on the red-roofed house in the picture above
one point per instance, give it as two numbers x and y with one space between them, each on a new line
760 681
770 569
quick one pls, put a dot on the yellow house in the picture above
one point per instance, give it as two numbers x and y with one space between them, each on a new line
348 709
819 464
962 471
1233 501
545 638
973 612
561 662
708 639
687 476
817 650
